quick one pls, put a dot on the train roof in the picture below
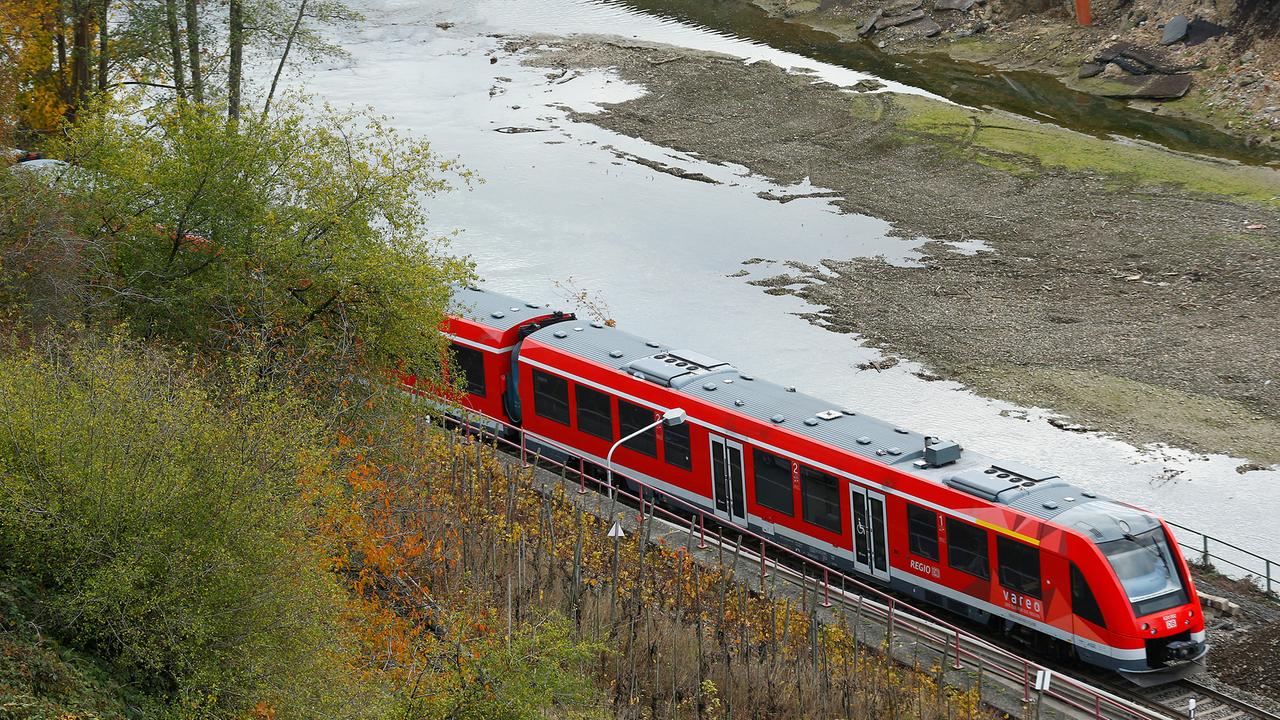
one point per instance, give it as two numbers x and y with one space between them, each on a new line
1039 493
493 309
720 383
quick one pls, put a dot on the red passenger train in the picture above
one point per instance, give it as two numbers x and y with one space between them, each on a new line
1018 548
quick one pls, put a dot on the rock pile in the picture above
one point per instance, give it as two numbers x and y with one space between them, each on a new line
910 19
1220 605
1139 73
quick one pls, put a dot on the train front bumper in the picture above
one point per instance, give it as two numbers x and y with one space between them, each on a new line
1181 658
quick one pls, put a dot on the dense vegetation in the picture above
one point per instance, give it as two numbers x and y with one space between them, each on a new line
153 519
197 326
199 311
212 502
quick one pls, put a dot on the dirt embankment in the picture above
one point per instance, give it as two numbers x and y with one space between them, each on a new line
1133 289
1246 645
1231 80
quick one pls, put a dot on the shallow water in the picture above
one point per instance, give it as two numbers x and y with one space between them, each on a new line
1031 94
562 202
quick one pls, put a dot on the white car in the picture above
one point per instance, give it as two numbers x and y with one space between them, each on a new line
41 165
53 173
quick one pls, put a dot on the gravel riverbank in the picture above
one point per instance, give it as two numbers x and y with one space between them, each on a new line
1130 288
1228 80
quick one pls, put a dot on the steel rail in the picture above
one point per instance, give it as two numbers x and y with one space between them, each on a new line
1177 707
1241 705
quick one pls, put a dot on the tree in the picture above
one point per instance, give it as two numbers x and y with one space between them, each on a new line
82 23
58 54
284 55
104 13
8 90
30 31
235 69
45 267
51 44
277 31
193 50
175 48
303 241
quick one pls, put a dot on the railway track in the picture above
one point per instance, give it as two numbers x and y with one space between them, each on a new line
1073 701
1170 701
1210 704
914 636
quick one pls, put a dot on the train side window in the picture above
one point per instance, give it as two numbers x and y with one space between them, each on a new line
820 494
773 481
632 417
595 412
1083 603
675 446
551 397
471 362
1019 566
967 549
922 532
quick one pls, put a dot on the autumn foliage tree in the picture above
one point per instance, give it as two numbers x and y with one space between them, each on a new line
160 490
34 64
304 241
59 55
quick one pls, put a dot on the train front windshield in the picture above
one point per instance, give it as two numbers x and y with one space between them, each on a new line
1147 571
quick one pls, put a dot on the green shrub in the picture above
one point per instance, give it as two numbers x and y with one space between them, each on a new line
160 527
541 671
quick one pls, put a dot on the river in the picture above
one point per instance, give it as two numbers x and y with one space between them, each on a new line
560 203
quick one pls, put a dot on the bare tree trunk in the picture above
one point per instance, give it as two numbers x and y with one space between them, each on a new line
81 15
64 89
236 38
193 51
175 47
284 56
102 44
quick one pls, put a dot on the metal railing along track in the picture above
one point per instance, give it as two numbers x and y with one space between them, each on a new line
1251 563
961 649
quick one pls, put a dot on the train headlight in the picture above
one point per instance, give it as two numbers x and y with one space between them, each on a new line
1191 612
1145 626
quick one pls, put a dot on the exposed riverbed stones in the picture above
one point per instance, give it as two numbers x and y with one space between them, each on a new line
1243 624
1091 69
1148 87
1174 30
1137 59
1131 71
1184 360
909 18
887 21
663 167
1038 36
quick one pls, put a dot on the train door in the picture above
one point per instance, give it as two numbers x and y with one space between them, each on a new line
727 480
870 536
